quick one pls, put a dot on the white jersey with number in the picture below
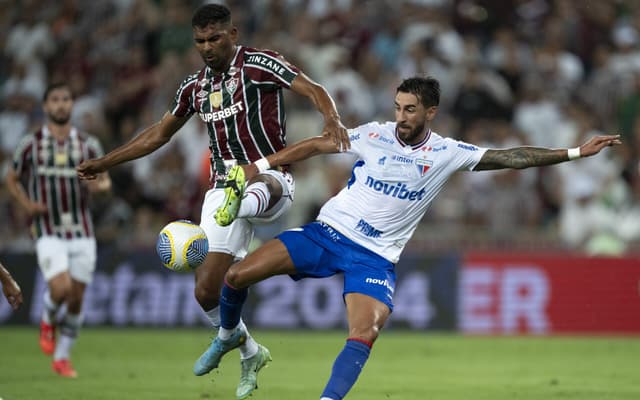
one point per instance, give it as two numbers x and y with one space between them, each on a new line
392 185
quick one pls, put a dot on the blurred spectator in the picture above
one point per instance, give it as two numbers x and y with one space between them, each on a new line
536 72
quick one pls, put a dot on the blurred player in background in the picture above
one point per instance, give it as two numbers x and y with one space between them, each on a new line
58 204
10 288
238 94
401 166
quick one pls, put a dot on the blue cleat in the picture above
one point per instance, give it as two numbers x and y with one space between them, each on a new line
210 359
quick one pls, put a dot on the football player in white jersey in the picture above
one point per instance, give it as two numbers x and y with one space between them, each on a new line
361 232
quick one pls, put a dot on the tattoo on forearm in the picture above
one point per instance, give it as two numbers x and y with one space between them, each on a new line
521 157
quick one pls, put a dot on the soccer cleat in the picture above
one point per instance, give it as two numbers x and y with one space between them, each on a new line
210 359
249 374
47 338
64 368
233 191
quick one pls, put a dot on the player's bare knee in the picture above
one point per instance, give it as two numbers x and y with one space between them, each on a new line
60 292
206 295
368 334
233 278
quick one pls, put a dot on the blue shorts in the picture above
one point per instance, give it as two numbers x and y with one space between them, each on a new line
319 251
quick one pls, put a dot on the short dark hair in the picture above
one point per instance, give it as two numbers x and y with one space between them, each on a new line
210 14
427 90
54 86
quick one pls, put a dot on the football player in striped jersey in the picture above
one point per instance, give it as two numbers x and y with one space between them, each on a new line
58 203
238 94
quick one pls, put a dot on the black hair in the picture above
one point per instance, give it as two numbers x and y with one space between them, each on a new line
54 86
427 90
210 14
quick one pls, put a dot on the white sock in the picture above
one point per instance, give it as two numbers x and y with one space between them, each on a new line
326 398
49 309
250 346
213 316
63 347
225 334
68 333
255 200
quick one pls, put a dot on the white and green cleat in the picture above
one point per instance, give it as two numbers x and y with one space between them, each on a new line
233 191
249 374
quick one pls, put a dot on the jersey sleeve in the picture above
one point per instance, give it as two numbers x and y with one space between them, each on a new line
358 139
23 154
268 66
94 147
465 156
182 105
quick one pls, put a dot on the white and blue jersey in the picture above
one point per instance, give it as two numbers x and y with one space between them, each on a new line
362 231
392 185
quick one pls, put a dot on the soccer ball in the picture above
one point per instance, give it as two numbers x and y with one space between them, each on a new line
182 246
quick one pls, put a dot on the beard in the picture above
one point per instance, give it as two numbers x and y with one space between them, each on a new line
412 135
60 118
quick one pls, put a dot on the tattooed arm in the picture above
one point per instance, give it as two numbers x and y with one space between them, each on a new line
525 157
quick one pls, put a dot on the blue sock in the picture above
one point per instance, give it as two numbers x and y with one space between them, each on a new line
231 301
346 369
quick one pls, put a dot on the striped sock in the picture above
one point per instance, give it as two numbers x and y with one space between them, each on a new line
68 334
346 368
49 309
255 200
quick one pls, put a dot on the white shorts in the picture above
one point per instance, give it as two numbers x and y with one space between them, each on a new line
76 255
235 238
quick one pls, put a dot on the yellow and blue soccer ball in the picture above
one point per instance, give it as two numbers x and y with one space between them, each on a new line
182 246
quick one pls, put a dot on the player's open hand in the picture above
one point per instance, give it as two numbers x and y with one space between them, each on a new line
597 143
89 169
334 129
13 293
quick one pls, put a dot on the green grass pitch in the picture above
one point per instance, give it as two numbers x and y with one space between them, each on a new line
155 364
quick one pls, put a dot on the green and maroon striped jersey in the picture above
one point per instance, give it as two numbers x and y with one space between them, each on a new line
243 108
49 168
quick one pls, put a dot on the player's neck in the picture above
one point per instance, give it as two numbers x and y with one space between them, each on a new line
60 132
227 64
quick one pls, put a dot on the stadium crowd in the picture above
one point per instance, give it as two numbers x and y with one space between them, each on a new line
534 72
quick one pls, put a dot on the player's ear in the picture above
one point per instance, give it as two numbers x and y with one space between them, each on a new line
233 34
431 112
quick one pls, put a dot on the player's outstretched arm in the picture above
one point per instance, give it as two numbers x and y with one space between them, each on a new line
333 127
525 157
10 288
299 151
147 141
